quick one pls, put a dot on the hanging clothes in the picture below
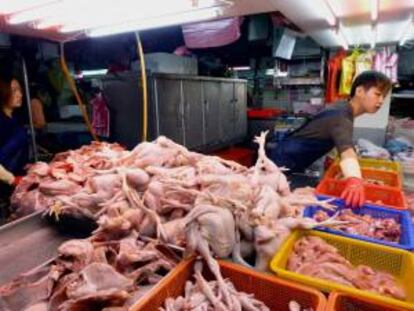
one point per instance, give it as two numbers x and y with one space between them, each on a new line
386 61
100 116
334 72
348 72
364 62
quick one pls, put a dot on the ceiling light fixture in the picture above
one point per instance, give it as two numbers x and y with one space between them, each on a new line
340 34
374 10
157 22
329 13
374 35
13 6
403 37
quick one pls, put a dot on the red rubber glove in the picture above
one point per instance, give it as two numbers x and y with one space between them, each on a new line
17 180
354 192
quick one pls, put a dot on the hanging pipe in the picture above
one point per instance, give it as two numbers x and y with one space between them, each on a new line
29 109
144 88
74 89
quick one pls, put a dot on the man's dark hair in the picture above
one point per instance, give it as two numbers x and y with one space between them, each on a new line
369 79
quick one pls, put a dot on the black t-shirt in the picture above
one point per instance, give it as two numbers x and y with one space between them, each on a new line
336 126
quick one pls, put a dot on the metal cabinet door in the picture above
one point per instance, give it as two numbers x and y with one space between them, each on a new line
193 113
226 115
169 108
211 105
240 109
123 95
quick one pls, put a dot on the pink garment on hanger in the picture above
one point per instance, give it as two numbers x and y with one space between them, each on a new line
100 116
387 62
212 34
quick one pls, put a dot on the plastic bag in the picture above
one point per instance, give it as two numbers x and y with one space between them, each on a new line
368 149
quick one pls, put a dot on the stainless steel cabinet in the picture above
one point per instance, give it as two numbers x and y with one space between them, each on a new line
201 113
240 107
192 101
226 114
211 106
169 108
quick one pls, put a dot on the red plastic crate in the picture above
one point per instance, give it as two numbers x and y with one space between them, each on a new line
274 292
389 178
377 195
243 156
345 302
264 113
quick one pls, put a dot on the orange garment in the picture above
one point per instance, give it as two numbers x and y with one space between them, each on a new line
334 71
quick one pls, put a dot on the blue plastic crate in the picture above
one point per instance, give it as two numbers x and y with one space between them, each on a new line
402 217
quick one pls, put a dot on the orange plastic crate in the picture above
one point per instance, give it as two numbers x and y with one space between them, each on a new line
345 302
274 292
377 195
389 178
243 156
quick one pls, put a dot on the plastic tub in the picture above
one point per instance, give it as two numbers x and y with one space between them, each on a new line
345 302
402 217
377 195
382 165
387 178
399 263
274 292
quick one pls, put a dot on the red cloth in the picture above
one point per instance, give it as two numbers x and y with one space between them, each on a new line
100 116
212 34
334 72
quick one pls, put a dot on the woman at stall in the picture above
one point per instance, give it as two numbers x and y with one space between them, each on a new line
13 137
333 127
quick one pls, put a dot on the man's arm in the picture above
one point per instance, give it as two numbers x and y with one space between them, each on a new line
349 163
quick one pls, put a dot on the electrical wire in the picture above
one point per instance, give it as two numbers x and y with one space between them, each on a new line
74 89
140 53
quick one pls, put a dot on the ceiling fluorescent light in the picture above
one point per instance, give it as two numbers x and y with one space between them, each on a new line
340 34
329 13
373 36
157 22
374 10
38 13
13 6
402 38
241 68
136 11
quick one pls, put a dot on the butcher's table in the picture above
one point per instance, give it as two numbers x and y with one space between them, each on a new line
26 244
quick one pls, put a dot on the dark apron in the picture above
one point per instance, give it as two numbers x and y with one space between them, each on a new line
14 154
296 153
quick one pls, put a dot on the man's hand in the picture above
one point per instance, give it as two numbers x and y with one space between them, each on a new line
6 176
354 192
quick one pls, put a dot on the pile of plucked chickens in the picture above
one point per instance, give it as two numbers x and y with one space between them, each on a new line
314 257
90 275
385 229
162 191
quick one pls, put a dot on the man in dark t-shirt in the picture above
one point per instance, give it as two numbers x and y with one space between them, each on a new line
333 127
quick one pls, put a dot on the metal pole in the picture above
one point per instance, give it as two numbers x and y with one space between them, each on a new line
29 109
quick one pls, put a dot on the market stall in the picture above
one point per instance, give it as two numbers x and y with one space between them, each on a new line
175 200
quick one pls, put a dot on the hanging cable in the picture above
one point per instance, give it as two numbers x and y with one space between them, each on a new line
74 89
144 88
